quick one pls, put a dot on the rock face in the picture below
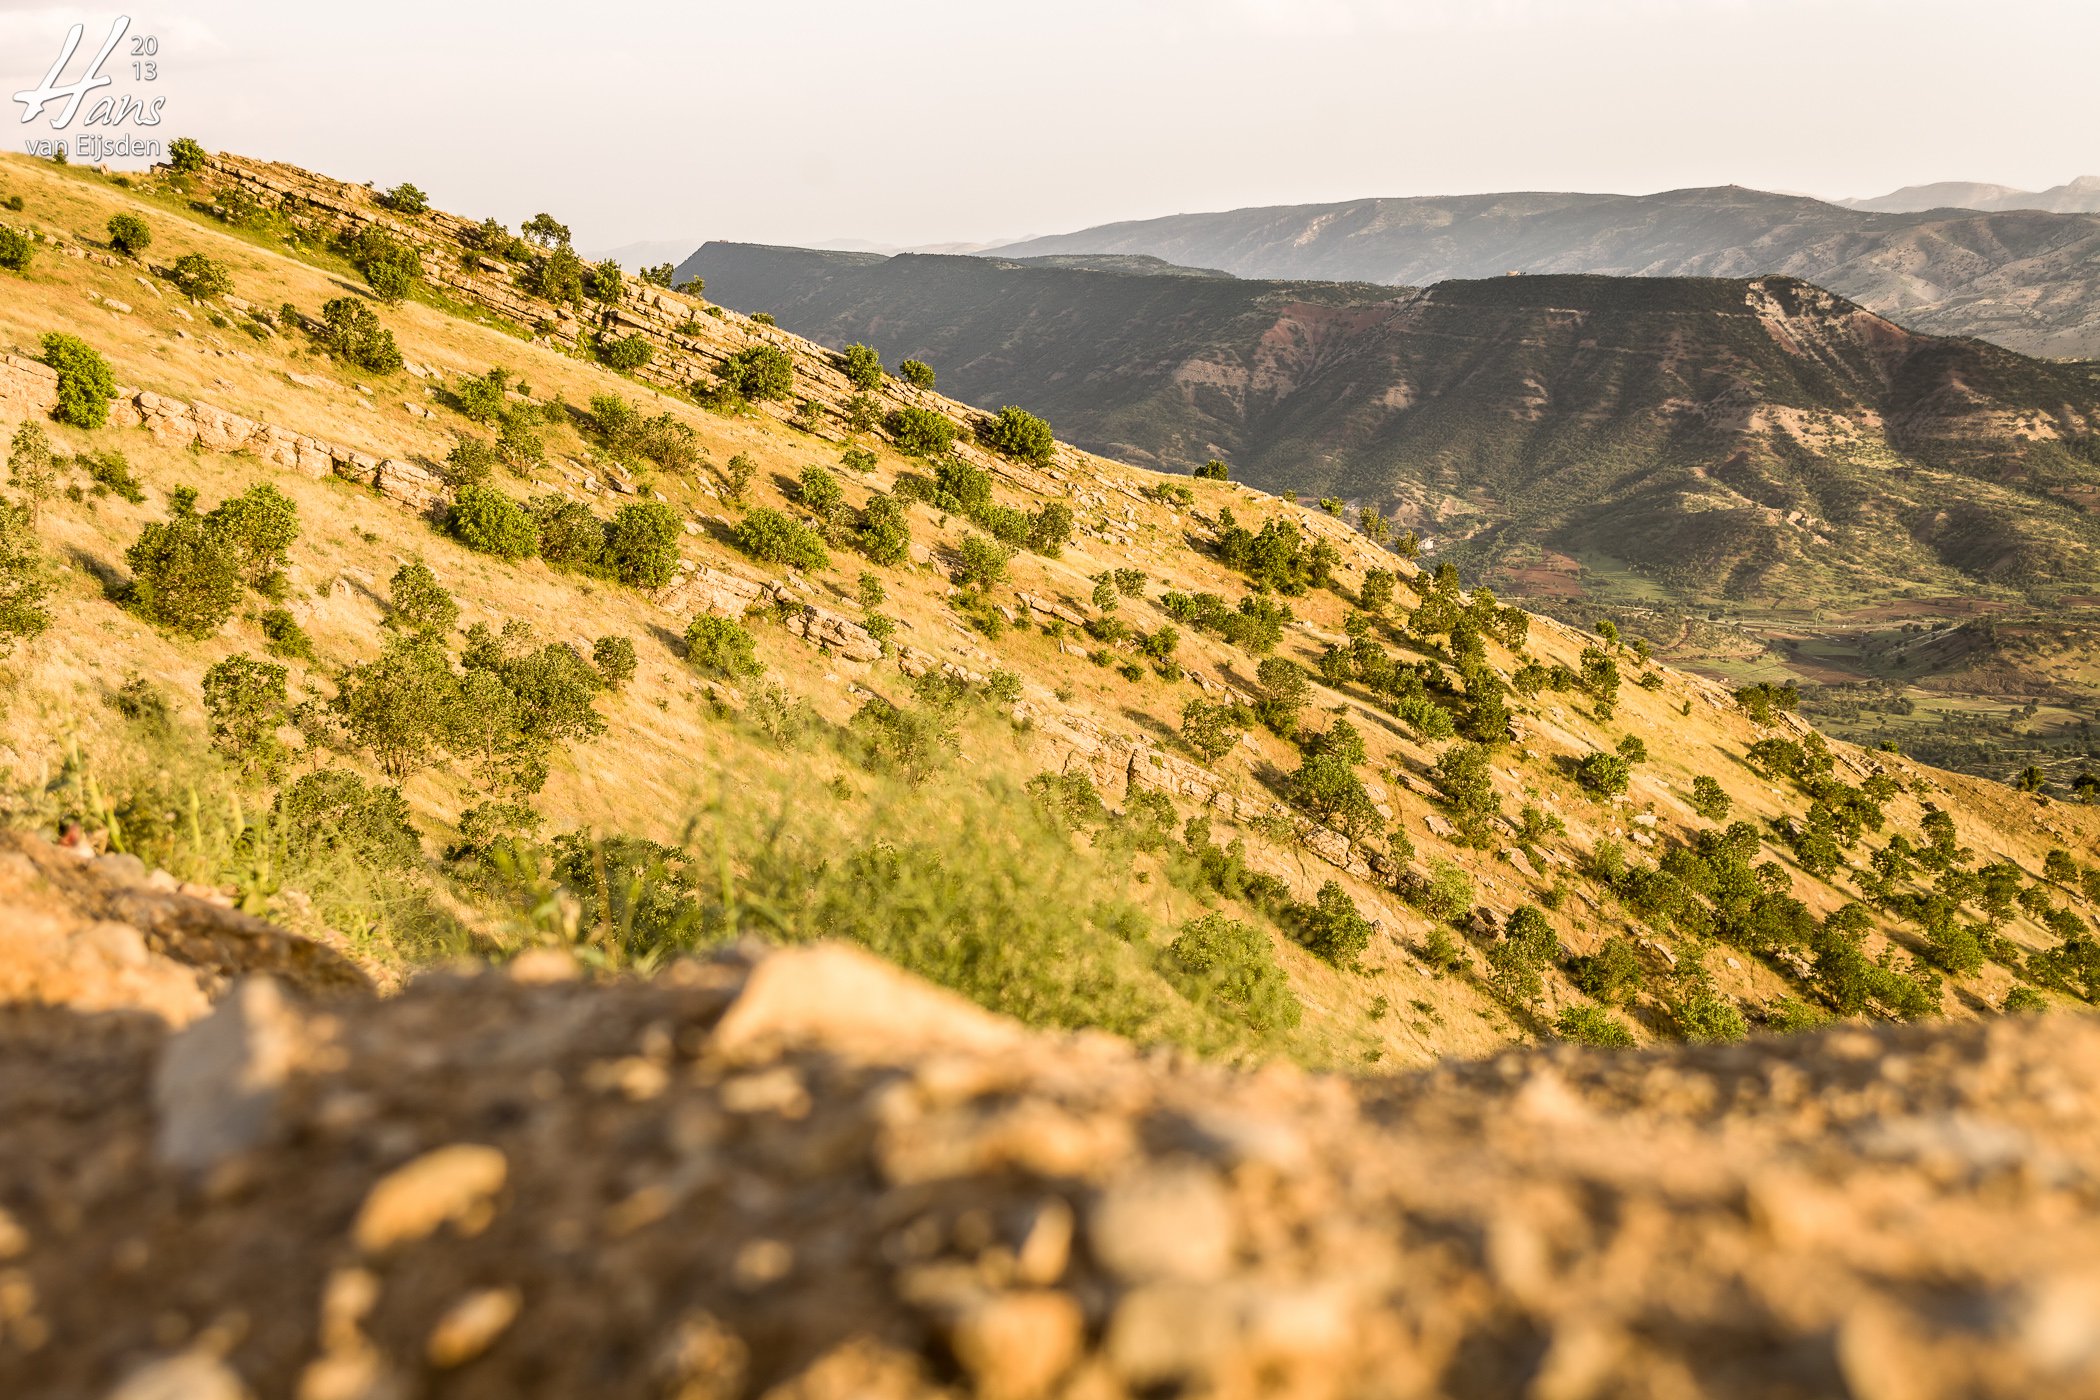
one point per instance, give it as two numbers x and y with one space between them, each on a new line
103 934
802 1174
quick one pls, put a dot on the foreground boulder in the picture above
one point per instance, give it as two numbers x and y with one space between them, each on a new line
803 1174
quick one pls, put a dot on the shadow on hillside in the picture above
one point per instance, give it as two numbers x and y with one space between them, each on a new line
673 642
1151 724
114 582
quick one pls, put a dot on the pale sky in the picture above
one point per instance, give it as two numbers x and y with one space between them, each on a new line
914 121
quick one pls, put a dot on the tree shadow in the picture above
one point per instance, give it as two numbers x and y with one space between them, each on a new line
114 582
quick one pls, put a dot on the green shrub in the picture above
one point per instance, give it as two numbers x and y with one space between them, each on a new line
417 602
1210 730
485 519
185 157
1612 974
641 544
351 331
721 646
627 354
483 398
570 536
1447 894
391 266
861 366
605 282
1593 1025
110 470
85 383
184 576
1332 928
283 636
981 563
770 537
1213 470
1603 774
758 372
920 432
33 467
23 582
129 234
471 462
17 249
197 276
2023 1000
883 533
1219 961
406 199
1709 800
245 700
916 373
259 525
615 660
333 811
1019 434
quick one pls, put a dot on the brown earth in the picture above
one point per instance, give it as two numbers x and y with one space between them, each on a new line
803 1174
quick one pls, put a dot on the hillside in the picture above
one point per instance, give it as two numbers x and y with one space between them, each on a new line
1062 734
2079 196
2025 279
1718 436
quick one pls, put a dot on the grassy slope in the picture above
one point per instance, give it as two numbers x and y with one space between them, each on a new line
667 753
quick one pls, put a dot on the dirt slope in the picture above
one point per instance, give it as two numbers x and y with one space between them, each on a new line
806 1175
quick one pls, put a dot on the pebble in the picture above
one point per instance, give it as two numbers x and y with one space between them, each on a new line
471 1326
452 1184
1170 1222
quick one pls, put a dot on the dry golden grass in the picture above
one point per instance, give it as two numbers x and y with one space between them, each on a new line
666 751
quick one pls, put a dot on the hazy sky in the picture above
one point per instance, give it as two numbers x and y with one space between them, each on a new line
908 121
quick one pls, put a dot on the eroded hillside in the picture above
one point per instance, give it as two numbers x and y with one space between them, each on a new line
755 638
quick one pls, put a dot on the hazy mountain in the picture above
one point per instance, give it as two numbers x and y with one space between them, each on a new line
1758 439
2029 280
2080 196
647 253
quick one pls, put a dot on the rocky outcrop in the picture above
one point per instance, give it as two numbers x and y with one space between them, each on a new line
803 1175
99 931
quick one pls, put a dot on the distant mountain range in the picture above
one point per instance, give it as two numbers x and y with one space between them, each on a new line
2080 196
1747 439
2029 280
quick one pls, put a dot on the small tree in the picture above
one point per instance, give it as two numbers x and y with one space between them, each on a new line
772 538
17 249
641 544
921 432
470 463
720 646
759 372
85 383
23 587
1709 800
1603 774
916 373
545 231
1332 928
605 282
1213 470
259 526
486 519
351 330
627 354
1219 961
614 658
185 157
245 700
981 562
405 198
32 468
659 275
1465 776
1019 434
418 603
129 234
184 576
861 366
1593 1025
391 266
197 276
736 477
1210 730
